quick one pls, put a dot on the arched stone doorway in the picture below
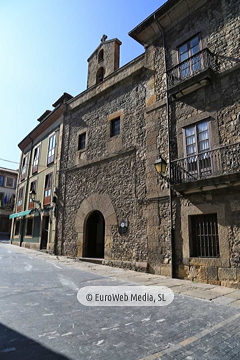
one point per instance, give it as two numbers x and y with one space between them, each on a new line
101 203
94 236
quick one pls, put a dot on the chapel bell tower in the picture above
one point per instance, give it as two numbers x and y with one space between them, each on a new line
103 61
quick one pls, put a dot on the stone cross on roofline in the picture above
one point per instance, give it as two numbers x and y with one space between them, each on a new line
104 38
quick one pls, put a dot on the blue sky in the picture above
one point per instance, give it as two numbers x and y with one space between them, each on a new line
44 49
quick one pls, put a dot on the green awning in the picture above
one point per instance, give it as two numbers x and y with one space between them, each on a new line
22 213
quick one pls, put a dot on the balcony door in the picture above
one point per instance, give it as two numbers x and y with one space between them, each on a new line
197 142
189 62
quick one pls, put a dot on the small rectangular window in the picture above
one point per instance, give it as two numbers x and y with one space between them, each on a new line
82 141
9 182
204 240
17 227
29 227
51 149
1 180
115 127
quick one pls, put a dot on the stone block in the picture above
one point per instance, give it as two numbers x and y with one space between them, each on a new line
183 271
225 263
211 273
238 274
79 251
230 284
141 266
214 282
151 100
166 270
197 273
225 274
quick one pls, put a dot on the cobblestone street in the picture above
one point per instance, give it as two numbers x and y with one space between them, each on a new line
41 317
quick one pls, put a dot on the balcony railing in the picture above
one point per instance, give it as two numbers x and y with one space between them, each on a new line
194 65
222 161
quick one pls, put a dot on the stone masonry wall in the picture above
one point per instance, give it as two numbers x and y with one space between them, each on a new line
226 269
112 166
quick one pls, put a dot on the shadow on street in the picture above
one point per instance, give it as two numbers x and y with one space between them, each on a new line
15 346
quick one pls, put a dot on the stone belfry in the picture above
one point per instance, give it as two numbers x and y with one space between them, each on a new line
103 61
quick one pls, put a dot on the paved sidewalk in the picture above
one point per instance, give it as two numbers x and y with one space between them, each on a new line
212 293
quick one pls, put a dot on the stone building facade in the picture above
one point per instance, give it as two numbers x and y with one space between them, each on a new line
178 100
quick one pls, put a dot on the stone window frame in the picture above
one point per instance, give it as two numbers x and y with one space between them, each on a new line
224 250
80 132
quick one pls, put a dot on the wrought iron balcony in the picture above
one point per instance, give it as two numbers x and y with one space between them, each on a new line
196 70
211 163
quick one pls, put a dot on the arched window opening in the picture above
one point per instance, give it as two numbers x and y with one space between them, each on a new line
100 75
100 56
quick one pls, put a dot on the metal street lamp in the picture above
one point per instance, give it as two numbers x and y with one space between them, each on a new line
160 165
33 194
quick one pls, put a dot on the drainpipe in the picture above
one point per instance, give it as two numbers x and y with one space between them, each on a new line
26 194
169 152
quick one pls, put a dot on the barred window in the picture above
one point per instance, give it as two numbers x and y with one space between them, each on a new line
204 240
